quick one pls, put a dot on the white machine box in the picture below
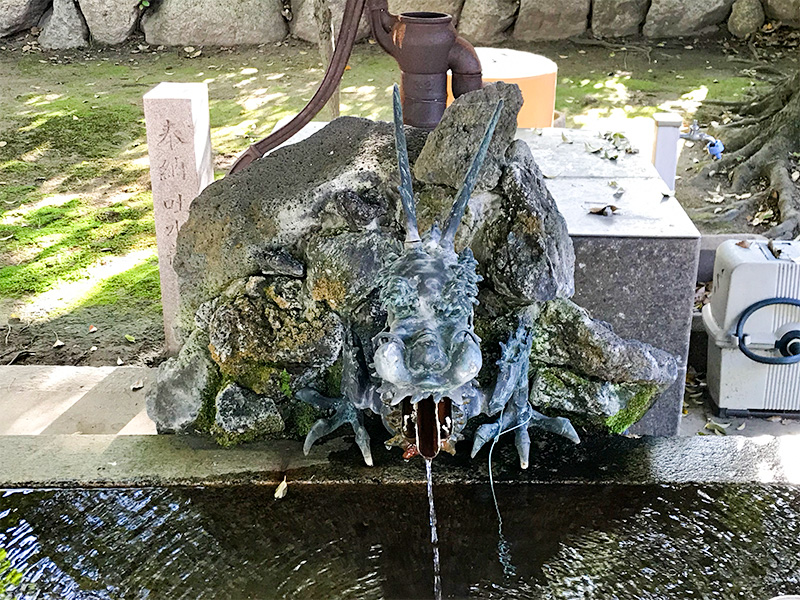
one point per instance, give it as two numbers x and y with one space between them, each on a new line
753 324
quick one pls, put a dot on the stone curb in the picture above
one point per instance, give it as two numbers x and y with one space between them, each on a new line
145 461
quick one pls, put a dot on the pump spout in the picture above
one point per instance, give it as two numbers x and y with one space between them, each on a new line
466 68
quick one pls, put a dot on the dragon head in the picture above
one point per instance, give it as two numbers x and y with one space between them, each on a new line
429 355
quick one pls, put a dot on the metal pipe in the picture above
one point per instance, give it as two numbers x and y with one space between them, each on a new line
333 75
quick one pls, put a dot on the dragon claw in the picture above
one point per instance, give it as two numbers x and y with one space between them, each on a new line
343 412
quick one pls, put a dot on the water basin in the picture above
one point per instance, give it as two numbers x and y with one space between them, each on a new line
373 541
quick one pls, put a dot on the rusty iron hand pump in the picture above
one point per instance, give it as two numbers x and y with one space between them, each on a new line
424 44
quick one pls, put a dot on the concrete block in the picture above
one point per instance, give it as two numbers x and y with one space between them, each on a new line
635 269
179 145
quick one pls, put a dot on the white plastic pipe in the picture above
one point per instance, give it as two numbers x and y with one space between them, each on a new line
665 148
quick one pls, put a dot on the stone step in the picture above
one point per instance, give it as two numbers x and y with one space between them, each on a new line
60 400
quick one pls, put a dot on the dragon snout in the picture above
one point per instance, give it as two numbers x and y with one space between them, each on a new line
427 355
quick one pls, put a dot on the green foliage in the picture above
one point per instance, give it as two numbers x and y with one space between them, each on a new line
636 408
302 418
58 242
284 384
10 578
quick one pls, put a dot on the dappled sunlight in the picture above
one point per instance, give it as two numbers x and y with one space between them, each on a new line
66 295
259 98
688 103
22 212
639 130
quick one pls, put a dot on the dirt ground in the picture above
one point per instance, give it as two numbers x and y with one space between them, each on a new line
106 311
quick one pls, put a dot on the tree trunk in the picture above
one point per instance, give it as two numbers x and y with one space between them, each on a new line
765 144
322 15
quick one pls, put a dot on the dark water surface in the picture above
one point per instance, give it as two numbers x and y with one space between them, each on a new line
565 542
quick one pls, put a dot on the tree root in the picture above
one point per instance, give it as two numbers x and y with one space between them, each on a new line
760 147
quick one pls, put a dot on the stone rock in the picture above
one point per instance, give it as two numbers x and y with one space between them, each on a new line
747 17
487 21
270 326
266 206
592 403
178 22
304 26
64 27
617 18
17 15
343 269
449 7
243 412
274 261
785 11
526 252
565 335
445 163
674 18
110 21
184 383
541 20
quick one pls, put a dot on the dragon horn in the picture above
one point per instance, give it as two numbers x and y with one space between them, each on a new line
460 205
405 188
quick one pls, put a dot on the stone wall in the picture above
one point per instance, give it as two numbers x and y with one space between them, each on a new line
76 23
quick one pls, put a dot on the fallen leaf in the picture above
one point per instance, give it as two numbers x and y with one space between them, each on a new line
591 148
58 343
281 490
565 139
742 426
92 328
130 338
717 428
775 419
137 386
743 244
605 211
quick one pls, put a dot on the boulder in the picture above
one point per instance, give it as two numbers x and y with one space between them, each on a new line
675 18
747 17
785 11
184 384
450 7
243 415
565 335
617 18
261 326
444 163
236 223
541 20
526 253
304 26
214 23
64 27
590 403
343 269
110 21
487 21
17 15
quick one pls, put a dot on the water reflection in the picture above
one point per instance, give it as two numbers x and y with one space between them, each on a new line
568 542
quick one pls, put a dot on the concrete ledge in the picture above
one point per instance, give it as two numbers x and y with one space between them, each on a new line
142 461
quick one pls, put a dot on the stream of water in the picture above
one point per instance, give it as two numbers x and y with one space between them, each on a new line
437 570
